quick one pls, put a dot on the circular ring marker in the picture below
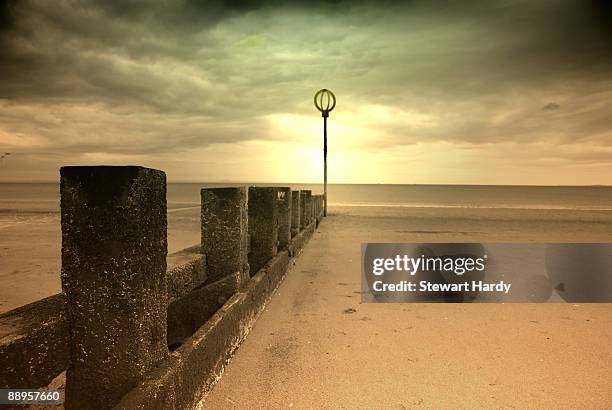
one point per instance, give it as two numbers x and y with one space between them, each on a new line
325 101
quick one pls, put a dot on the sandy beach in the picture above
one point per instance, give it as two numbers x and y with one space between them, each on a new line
317 346
30 243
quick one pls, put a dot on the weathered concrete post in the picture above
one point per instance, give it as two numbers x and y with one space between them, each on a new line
225 237
305 208
283 204
295 213
263 226
114 249
310 207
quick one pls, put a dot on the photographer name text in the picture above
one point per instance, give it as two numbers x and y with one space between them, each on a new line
426 286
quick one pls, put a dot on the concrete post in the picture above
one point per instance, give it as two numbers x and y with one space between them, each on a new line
304 208
295 213
225 236
114 249
309 207
263 226
283 204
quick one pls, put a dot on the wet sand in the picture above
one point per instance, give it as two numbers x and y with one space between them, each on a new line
30 252
317 346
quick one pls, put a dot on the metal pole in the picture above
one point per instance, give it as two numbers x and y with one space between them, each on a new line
325 106
325 163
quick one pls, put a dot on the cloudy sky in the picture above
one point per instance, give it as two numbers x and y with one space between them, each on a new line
475 92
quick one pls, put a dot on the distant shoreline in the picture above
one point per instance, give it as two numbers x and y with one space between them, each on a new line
351 183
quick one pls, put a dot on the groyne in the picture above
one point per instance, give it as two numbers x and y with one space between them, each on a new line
134 327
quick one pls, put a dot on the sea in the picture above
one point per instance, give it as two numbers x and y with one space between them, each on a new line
27 198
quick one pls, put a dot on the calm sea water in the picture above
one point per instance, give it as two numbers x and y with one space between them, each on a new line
44 197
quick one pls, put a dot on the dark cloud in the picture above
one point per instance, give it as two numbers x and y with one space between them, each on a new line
146 77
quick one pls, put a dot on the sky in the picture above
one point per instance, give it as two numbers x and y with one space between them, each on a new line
428 92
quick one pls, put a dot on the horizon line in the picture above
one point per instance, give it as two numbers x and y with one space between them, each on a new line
343 183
